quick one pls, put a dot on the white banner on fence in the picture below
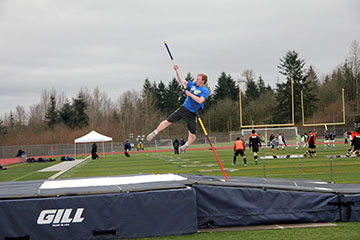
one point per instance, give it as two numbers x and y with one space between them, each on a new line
282 156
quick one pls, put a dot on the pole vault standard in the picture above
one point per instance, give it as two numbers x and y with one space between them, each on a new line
199 119
323 124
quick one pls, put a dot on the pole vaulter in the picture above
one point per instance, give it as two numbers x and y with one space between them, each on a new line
198 117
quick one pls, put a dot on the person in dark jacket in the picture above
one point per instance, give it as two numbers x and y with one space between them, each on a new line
176 145
94 152
182 142
127 148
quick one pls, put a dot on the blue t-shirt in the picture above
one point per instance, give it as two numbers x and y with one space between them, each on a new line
197 91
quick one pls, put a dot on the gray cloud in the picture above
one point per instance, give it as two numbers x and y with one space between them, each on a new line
115 45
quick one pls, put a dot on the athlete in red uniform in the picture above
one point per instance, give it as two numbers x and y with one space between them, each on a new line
355 143
311 140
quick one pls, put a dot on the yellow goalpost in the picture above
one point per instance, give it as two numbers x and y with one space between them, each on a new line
269 125
323 124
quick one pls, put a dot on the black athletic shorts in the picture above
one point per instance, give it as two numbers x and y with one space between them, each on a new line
239 151
356 147
255 148
312 145
188 116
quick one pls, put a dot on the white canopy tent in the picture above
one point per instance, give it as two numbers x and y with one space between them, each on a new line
93 137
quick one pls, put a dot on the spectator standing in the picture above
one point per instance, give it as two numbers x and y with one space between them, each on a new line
127 148
176 145
346 137
94 152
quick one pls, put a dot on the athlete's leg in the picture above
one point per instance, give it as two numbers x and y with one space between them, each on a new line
164 124
191 139
245 163
255 156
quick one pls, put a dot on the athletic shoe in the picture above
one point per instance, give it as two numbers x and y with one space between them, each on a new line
183 148
245 165
234 165
151 136
256 162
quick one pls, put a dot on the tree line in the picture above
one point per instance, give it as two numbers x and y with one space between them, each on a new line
57 119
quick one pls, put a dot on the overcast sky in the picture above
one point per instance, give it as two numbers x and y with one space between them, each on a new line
116 44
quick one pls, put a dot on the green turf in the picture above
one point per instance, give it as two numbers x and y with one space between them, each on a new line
345 170
346 231
26 171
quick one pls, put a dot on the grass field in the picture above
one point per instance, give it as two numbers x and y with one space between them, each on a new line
346 170
348 231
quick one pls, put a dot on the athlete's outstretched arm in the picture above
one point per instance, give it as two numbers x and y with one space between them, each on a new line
180 79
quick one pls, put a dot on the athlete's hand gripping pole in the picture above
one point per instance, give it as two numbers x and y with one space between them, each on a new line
199 119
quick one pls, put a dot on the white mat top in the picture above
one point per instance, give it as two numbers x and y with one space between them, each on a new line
110 181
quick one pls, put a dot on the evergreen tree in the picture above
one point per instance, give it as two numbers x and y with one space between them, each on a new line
261 85
160 92
348 82
226 88
147 88
173 95
251 89
12 120
148 94
268 88
252 92
3 130
292 67
79 106
52 115
311 87
66 114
